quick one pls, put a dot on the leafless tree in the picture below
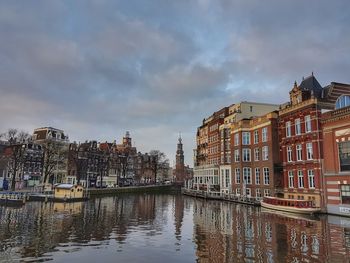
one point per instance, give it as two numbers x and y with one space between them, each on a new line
15 152
159 162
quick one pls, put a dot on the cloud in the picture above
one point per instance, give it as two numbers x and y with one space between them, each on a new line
99 68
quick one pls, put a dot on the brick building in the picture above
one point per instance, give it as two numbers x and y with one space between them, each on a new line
336 168
256 161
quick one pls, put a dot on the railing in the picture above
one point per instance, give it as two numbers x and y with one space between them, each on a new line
222 196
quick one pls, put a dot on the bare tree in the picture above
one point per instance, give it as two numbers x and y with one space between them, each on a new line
159 162
15 152
54 156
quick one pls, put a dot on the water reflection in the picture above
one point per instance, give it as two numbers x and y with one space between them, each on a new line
172 228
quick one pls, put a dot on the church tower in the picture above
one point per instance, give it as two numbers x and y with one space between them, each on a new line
180 164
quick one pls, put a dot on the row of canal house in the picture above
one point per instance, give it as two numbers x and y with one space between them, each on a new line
297 150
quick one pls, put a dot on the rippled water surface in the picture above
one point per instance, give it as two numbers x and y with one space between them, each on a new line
167 228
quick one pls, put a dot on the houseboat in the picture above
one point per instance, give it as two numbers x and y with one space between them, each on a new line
69 193
290 205
12 199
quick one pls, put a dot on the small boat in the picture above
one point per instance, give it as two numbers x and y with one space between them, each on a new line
290 205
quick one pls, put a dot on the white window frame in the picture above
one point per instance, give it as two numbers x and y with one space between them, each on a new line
256 154
311 178
257 176
308 127
265 153
237 156
267 192
236 139
288 129
309 151
266 172
264 136
290 179
289 154
297 127
246 155
245 138
299 151
237 175
256 136
300 179
247 175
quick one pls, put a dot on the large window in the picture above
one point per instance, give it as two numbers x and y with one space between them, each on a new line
264 135
256 154
300 179
247 175
289 153
299 152
311 178
256 136
227 177
265 153
237 158
344 155
297 127
309 151
342 101
246 155
308 123
238 175
236 138
288 129
245 138
257 176
290 179
266 176
345 193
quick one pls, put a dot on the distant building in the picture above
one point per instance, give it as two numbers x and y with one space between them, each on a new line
181 172
49 133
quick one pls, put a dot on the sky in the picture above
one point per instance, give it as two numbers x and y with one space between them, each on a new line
98 68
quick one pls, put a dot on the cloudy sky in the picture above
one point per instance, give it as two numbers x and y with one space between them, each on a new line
96 68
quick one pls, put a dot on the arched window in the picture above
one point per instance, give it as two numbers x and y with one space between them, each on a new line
342 101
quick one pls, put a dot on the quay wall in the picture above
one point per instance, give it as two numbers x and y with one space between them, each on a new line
134 189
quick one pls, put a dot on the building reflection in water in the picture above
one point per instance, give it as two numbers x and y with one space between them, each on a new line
178 228
226 232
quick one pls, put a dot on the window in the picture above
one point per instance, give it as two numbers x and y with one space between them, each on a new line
290 179
258 193
238 191
256 154
264 134
266 176
297 127
238 175
237 158
342 101
309 151
265 153
345 193
247 175
289 154
246 155
256 136
344 155
257 176
227 177
311 178
245 138
299 152
248 192
288 129
267 192
308 123
300 179
236 138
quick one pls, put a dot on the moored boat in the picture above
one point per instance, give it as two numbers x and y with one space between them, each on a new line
290 205
12 199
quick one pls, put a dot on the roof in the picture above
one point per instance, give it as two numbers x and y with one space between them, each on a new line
64 186
311 84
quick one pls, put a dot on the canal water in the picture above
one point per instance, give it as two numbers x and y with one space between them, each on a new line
167 228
